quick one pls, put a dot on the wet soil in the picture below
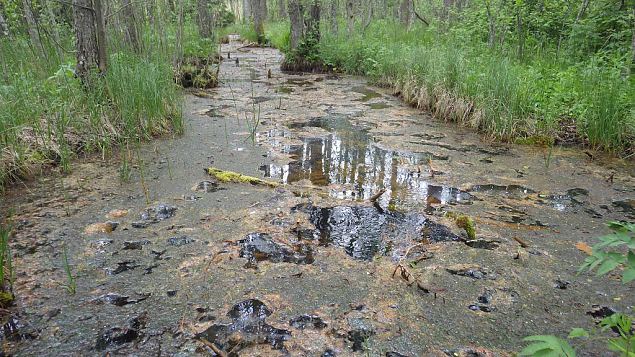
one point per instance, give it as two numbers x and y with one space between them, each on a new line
355 253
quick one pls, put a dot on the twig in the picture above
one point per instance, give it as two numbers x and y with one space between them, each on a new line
376 196
216 350
521 242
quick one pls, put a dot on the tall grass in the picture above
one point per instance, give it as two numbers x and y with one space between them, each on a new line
466 82
47 116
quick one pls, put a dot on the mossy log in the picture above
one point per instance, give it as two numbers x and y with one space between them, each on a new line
235 177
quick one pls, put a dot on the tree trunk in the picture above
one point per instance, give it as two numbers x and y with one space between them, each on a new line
297 23
247 13
491 38
350 16
86 34
633 41
334 24
4 28
405 11
131 27
313 22
32 27
259 8
204 18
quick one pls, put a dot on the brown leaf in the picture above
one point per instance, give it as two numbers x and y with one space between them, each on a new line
584 248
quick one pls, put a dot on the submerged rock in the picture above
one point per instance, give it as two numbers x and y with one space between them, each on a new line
154 215
248 328
180 241
307 321
257 247
117 336
365 231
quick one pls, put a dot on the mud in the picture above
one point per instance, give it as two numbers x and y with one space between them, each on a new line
355 253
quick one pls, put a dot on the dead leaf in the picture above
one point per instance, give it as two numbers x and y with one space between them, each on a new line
583 247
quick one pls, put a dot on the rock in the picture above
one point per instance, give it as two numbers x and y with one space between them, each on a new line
307 321
135 245
180 241
118 213
106 227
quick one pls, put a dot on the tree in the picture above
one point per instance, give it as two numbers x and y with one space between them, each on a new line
247 13
405 12
334 24
32 27
296 18
204 18
131 27
281 9
90 38
4 28
259 8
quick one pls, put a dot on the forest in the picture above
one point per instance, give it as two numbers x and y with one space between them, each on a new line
317 177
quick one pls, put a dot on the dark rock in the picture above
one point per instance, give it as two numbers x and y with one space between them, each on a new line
482 244
307 321
135 245
248 328
257 247
180 241
329 353
154 215
561 284
122 267
171 293
600 312
395 354
480 308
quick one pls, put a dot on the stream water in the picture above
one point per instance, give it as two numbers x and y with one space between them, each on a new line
173 262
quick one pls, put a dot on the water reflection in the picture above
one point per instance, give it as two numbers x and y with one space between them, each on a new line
348 156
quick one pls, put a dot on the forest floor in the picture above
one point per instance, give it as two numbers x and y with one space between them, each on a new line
174 261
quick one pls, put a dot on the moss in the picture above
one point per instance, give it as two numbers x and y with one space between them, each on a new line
465 222
6 299
231 176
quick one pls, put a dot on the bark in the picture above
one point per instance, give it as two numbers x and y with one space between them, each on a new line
4 28
350 16
204 18
405 12
100 23
32 27
259 8
334 24
491 38
297 23
247 11
131 27
86 34
313 22
282 11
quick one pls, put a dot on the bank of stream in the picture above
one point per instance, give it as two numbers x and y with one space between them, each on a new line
356 252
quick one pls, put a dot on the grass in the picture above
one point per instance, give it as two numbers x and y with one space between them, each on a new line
48 117
490 90
6 267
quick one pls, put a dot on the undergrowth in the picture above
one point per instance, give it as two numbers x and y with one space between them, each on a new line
489 89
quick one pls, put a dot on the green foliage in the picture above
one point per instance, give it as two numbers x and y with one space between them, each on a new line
6 260
459 78
547 346
71 279
605 260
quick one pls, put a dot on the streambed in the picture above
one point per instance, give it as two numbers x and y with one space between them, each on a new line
173 261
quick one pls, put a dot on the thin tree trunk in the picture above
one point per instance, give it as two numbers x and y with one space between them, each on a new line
101 36
4 28
247 13
259 8
179 34
297 23
54 29
204 18
405 12
350 16
313 22
521 33
131 28
86 35
334 24
32 28
585 5
633 41
491 39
